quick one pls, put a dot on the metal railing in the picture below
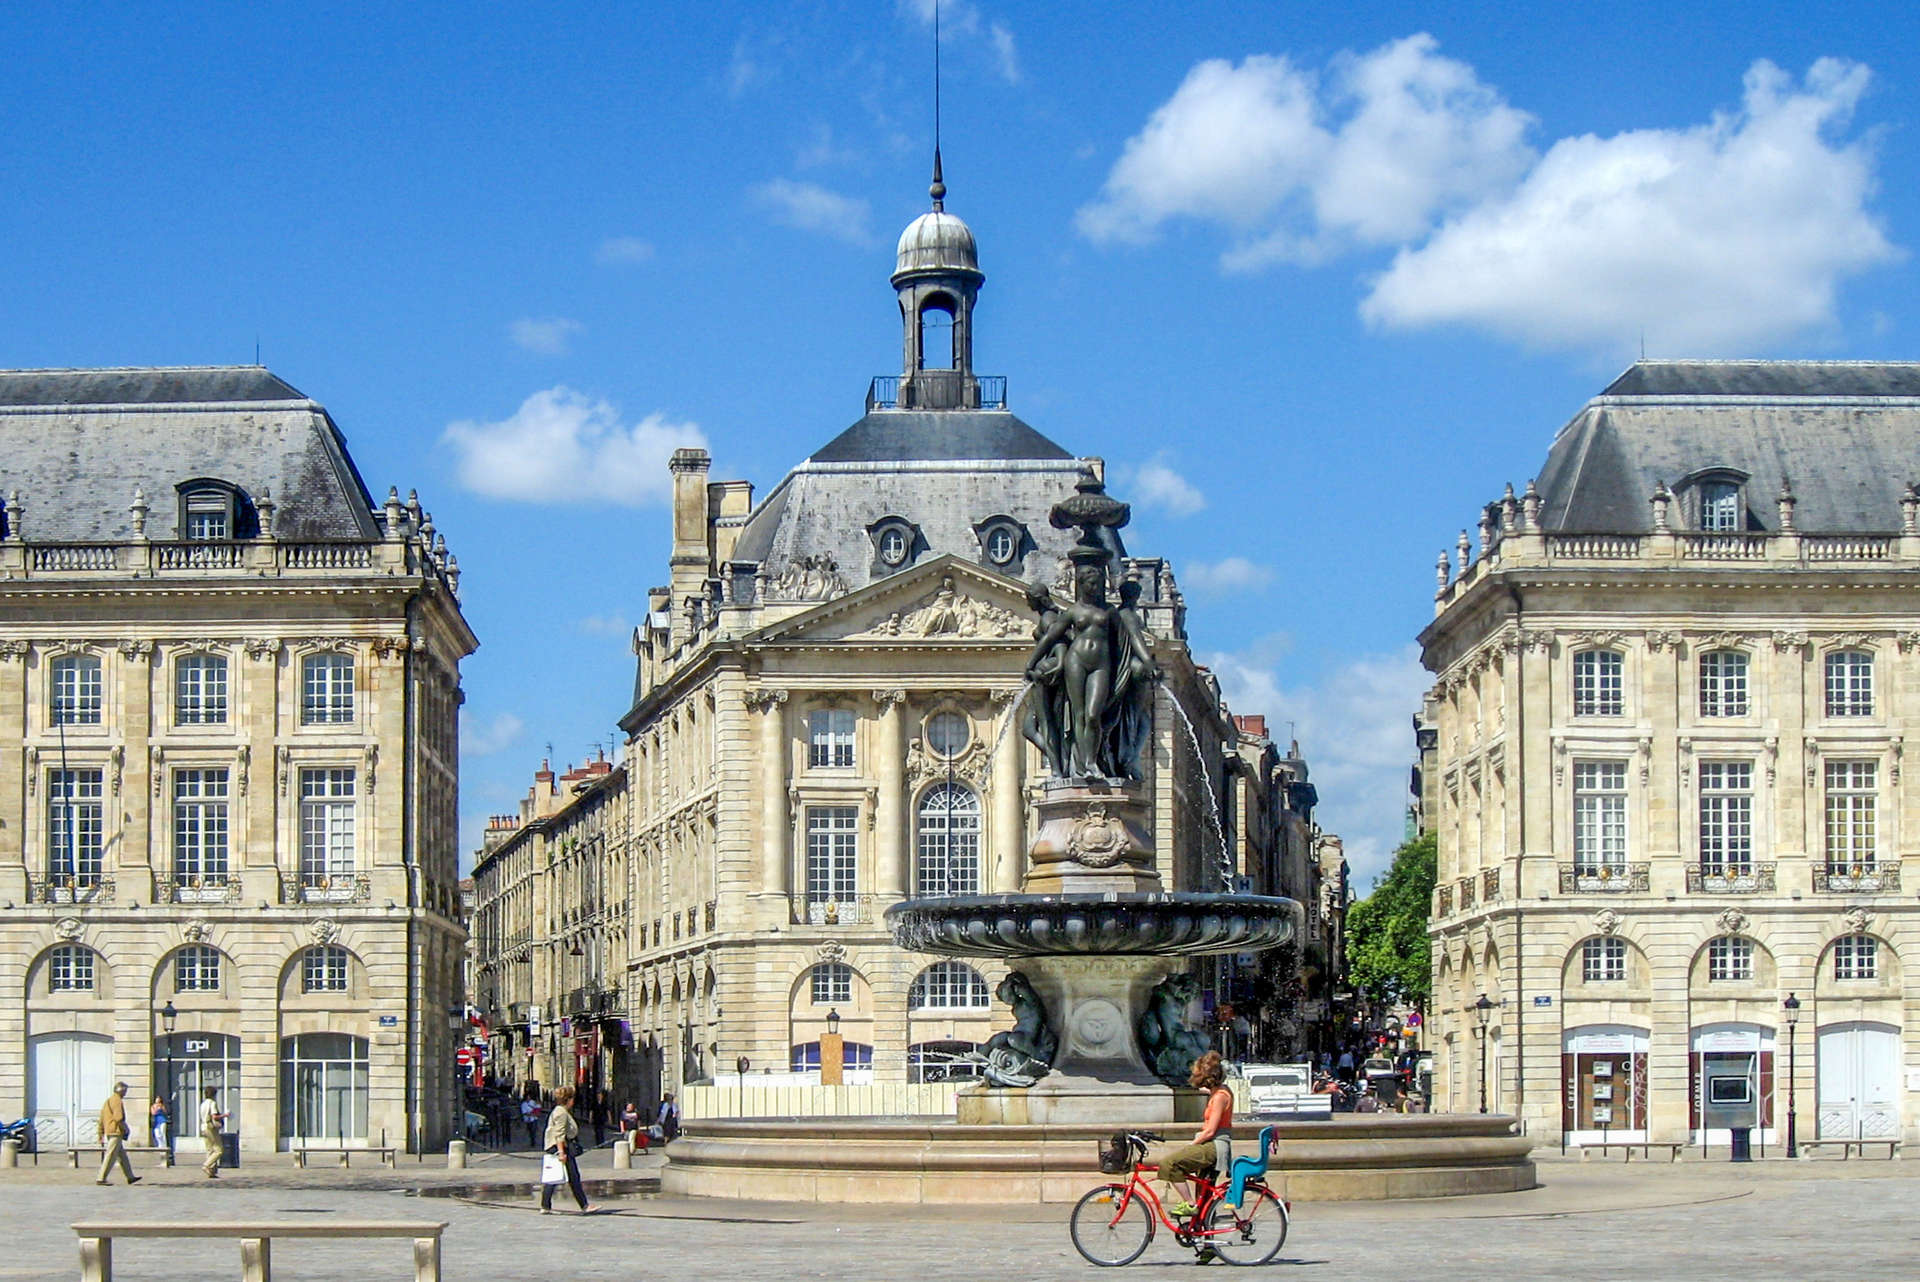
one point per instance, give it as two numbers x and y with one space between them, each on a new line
941 389
1843 879
1612 879
1466 894
1443 906
1730 879
1489 884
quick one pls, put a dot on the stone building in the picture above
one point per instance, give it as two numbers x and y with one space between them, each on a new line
550 936
228 777
824 714
1674 686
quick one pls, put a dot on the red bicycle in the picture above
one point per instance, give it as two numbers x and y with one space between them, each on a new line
1115 1223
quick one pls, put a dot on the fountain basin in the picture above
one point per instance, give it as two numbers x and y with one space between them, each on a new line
1109 924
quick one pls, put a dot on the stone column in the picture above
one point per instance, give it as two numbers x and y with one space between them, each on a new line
1009 809
890 804
776 872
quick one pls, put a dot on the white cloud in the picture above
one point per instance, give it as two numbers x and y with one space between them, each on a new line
743 68
1232 574
1355 730
560 446
624 251
1725 237
607 625
1155 485
1298 170
547 335
479 739
811 207
962 19
821 150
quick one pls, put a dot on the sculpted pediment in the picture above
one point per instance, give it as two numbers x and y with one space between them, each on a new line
945 600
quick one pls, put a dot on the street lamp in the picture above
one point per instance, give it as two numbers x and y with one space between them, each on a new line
1791 1007
1482 1009
833 1022
167 1017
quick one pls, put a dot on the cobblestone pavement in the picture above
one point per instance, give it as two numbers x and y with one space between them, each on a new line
1646 1222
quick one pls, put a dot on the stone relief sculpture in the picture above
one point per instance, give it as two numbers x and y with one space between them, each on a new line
949 613
1023 1054
810 578
1168 1043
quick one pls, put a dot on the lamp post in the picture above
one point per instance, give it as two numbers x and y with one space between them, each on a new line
167 1017
740 1067
832 1052
1791 1008
1482 1009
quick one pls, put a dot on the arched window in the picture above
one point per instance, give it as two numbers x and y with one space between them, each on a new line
1599 683
1730 958
76 690
1849 684
200 690
948 985
324 969
326 689
832 984
1603 959
196 969
936 335
70 969
941 1062
1856 957
1723 684
949 841
209 510
805 1057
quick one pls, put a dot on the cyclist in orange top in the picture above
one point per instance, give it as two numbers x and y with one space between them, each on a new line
1182 1165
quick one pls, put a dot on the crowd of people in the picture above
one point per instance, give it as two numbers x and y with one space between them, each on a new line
593 1111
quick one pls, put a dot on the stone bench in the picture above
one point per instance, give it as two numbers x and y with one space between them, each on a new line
345 1154
95 1152
256 1240
1628 1146
1849 1147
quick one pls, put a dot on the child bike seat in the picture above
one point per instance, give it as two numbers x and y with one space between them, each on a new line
1249 1168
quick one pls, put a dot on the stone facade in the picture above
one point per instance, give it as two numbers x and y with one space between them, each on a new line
1664 756
229 782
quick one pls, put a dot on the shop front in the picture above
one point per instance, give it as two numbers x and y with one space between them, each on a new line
1603 1070
1730 1070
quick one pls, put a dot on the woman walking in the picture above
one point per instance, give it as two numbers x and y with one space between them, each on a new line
1179 1167
563 1142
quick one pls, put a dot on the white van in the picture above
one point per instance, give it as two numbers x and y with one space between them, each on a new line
1284 1091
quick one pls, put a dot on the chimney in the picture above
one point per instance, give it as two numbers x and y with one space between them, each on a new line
692 560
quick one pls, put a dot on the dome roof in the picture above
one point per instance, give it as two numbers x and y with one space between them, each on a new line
936 241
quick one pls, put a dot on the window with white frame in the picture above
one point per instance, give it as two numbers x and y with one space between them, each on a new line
200 690
1856 957
326 689
1723 684
1719 506
76 690
323 969
1730 957
1849 684
948 985
196 969
70 969
830 738
947 842
326 825
1599 815
1603 959
75 826
832 853
1853 803
209 514
200 825
832 984
1599 683
1726 817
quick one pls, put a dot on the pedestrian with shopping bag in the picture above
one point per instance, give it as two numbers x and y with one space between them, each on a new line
212 1123
561 1161
113 1136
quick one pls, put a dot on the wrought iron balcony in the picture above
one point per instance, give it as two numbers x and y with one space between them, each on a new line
943 389
1611 879
217 888
84 889
1466 894
1730 879
1443 905
1853 879
1489 884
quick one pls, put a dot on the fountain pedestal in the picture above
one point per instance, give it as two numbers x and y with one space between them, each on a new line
1092 837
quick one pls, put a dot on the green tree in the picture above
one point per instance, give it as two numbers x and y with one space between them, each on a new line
1388 957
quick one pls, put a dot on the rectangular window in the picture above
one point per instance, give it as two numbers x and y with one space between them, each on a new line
326 689
1853 801
1599 684
1723 684
1850 684
1730 957
75 832
200 690
1719 506
200 826
832 853
1726 818
832 984
71 969
1603 959
326 825
76 691
1856 957
1599 815
324 970
196 969
830 739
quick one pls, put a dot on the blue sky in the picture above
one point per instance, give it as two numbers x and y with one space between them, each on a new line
1317 283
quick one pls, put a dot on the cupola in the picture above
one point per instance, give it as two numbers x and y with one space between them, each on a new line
937 275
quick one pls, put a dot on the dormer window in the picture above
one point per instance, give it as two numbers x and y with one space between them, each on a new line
1003 541
1719 506
893 546
895 542
209 511
1714 500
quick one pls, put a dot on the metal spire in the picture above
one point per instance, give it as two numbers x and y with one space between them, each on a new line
938 189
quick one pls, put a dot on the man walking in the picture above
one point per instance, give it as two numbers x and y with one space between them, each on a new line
211 1124
113 1136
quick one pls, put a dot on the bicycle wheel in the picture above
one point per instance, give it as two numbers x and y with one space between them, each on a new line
1255 1235
1108 1230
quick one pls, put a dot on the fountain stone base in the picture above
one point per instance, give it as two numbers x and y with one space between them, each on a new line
1092 838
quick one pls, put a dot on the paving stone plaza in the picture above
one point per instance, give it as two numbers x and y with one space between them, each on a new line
1700 1221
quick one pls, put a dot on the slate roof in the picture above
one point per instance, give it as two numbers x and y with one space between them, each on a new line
1845 433
77 443
937 434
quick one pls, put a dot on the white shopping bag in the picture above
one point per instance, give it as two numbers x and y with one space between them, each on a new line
552 1170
